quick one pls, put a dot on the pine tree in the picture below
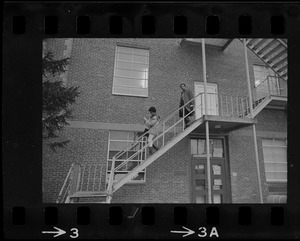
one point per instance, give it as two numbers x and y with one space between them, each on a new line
57 99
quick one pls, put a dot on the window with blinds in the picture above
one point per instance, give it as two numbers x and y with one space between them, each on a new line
275 160
131 71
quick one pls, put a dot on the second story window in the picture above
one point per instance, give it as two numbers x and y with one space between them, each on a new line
131 71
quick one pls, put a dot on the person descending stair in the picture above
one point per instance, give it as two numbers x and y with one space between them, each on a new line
151 125
186 97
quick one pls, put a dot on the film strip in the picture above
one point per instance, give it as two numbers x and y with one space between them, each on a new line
35 202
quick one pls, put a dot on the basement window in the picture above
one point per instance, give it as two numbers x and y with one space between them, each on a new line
131 71
119 141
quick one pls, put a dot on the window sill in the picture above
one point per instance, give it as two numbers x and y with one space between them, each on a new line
140 96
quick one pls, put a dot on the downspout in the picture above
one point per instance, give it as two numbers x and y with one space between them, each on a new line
253 126
206 122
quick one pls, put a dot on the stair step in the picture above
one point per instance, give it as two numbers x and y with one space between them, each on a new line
259 43
277 56
268 46
272 51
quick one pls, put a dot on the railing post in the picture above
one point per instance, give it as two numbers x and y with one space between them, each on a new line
226 105
163 137
237 106
268 82
232 112
111 177
221 105
174 126
183 112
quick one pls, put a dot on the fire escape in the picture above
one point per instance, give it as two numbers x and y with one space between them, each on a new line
85 183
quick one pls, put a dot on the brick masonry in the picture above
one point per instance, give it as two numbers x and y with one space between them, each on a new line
168 179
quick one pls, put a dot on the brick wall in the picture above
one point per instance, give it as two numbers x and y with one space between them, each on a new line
87 146
168 178
169 65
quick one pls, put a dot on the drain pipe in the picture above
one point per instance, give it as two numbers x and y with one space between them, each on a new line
206 122
253 126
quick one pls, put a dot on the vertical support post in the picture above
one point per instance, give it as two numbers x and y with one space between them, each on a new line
253 126
206 122
232 111
221 105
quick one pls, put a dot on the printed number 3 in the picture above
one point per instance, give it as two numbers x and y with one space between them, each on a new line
75 233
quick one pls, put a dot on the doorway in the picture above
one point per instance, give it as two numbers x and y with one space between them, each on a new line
220 192
212 99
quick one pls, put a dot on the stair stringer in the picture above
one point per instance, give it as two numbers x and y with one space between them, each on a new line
260 106
157 154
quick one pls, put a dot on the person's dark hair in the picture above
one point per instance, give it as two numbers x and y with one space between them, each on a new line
182 84
152 109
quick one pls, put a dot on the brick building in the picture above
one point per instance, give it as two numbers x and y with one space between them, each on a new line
120 79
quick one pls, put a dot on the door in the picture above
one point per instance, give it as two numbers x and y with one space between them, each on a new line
200 183
212 100
218 171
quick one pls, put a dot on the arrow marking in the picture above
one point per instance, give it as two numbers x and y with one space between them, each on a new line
58 232
186 233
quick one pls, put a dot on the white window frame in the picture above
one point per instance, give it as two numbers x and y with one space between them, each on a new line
114 92
271 162
108 160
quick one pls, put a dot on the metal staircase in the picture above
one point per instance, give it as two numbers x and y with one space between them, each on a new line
169 132
263 94
84 184
273 52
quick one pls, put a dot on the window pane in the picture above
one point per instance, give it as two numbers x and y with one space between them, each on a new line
123 65
140 51
139 74
194 147
139 177
217 148
199 169
201 147
125 57
123 73
217 184
140 67
140 59
131 165
200 198
217 198
122 81
140 92
118 145
119 90
138 83
112 154
200 184
216 169
118 135
124 50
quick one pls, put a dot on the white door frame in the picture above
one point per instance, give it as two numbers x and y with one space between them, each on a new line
198 109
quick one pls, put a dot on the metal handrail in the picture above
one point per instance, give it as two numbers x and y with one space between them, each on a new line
113 169
160 124
62 193
128 147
